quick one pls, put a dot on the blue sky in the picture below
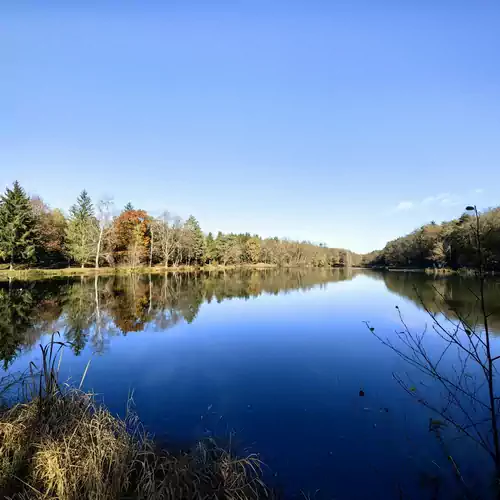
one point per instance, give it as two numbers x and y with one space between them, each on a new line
348 122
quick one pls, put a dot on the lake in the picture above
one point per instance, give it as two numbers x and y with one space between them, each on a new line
279 361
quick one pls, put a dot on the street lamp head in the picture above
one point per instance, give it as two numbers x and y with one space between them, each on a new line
469 208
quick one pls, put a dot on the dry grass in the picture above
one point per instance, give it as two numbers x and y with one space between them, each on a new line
63 445
68 449
439 271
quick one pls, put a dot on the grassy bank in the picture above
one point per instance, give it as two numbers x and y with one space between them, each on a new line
41 273
60 443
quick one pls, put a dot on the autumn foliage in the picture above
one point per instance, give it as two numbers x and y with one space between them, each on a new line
131 237
96 234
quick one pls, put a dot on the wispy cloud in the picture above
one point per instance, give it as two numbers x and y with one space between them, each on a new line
435 201
405 205
451 201
479 190
439 198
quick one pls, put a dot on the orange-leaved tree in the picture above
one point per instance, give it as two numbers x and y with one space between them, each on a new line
131 237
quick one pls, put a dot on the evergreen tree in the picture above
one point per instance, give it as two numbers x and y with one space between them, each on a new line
128 207
220 247
210 249
229 249
82 230
194 240
83 208
17 226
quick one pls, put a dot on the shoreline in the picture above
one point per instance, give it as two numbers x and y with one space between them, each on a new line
108 271
41 273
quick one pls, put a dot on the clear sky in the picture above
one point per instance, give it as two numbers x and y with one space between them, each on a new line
345 122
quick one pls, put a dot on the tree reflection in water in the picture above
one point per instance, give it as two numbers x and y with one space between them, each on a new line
87 311
445 295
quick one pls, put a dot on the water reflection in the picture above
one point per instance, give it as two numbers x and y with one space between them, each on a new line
90 310
447 295
26 312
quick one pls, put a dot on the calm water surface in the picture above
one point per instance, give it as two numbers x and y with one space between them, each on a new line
278 357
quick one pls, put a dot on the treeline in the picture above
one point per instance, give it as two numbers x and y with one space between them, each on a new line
450 244
31 233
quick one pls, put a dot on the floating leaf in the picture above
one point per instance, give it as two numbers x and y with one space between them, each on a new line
413 388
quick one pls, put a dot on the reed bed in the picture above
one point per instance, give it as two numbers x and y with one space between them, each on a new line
61 443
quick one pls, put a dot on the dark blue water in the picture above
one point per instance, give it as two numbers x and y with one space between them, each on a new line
273 360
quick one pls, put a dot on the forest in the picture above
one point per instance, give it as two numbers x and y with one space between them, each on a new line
32 234
451 244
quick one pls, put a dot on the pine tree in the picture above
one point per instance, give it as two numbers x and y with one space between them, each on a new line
128 207
220 245
194 240
17 226
83 208
210 249
228 249
82 230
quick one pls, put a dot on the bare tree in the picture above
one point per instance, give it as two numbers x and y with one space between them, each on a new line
166 227
464 368
152 228
104 219
178 252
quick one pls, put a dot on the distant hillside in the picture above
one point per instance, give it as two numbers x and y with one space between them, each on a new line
449 244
